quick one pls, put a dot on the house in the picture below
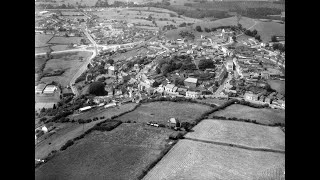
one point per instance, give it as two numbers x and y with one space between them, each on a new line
267 100
170 88
40 88
192 94
190 82
265 75
250 97
111 70
67 92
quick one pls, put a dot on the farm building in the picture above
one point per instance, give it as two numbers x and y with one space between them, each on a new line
85 108
67 92
40 88
50 89
173 122
190 82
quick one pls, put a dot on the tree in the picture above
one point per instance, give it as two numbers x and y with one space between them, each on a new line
238 16
198 28
254 32
206 63
165 69
110 61
207 30
257 37
97 88
274 38
234 38
179 81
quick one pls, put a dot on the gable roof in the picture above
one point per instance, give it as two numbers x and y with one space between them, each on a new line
191 80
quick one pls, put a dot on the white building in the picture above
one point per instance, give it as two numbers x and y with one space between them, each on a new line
50 89
192 94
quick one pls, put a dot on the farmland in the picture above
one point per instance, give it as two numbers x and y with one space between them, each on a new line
42 40
161 112
192 160
65 40
264 116
72 130
278 85
118 154
68 62
239 133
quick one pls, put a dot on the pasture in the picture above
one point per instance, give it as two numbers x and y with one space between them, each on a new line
162 111
42 40
73 130
278 85
67 62
239 133
191 160
121 153
265 116
65 40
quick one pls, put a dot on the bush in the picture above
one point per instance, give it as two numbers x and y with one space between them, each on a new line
176 135
69 143
43 119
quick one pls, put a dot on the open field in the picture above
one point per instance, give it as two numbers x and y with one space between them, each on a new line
65 40
118 154
264 115
42 40
278 85
67 62
39 61
47 98
162 111
60 47
191 160
41 49
72 130
239 133
268 29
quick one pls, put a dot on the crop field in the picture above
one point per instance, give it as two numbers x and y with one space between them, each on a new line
42 40
162 111
191 160
118 154
67 62
239 133
72 130
278 85
39 61
264 115
65 40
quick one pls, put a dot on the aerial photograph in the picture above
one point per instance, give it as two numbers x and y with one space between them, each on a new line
160 89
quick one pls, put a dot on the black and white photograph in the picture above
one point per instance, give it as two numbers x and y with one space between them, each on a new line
159 89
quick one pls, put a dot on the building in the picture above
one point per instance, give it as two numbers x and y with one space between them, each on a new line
67 92
40 88
190 82
250 97
170 88
192 94
85 108
111 70
50 89
229 65
172 122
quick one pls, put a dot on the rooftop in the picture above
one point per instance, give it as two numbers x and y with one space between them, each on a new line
192 80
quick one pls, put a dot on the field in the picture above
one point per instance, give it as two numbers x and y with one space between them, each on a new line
39 61
72 130
265 115
118 154
161 112
239 133
190 160
60 47
268 29
278 85
42 40
42 49
65 40
67 62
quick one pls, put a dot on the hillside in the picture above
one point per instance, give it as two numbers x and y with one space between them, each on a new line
265 29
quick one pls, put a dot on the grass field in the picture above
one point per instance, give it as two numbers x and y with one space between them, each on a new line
239 133
42 40
39 61
191 160
72 130
69 62
162 111
278 85
268 29
118 154
265 116
65 40
41 49
60 47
